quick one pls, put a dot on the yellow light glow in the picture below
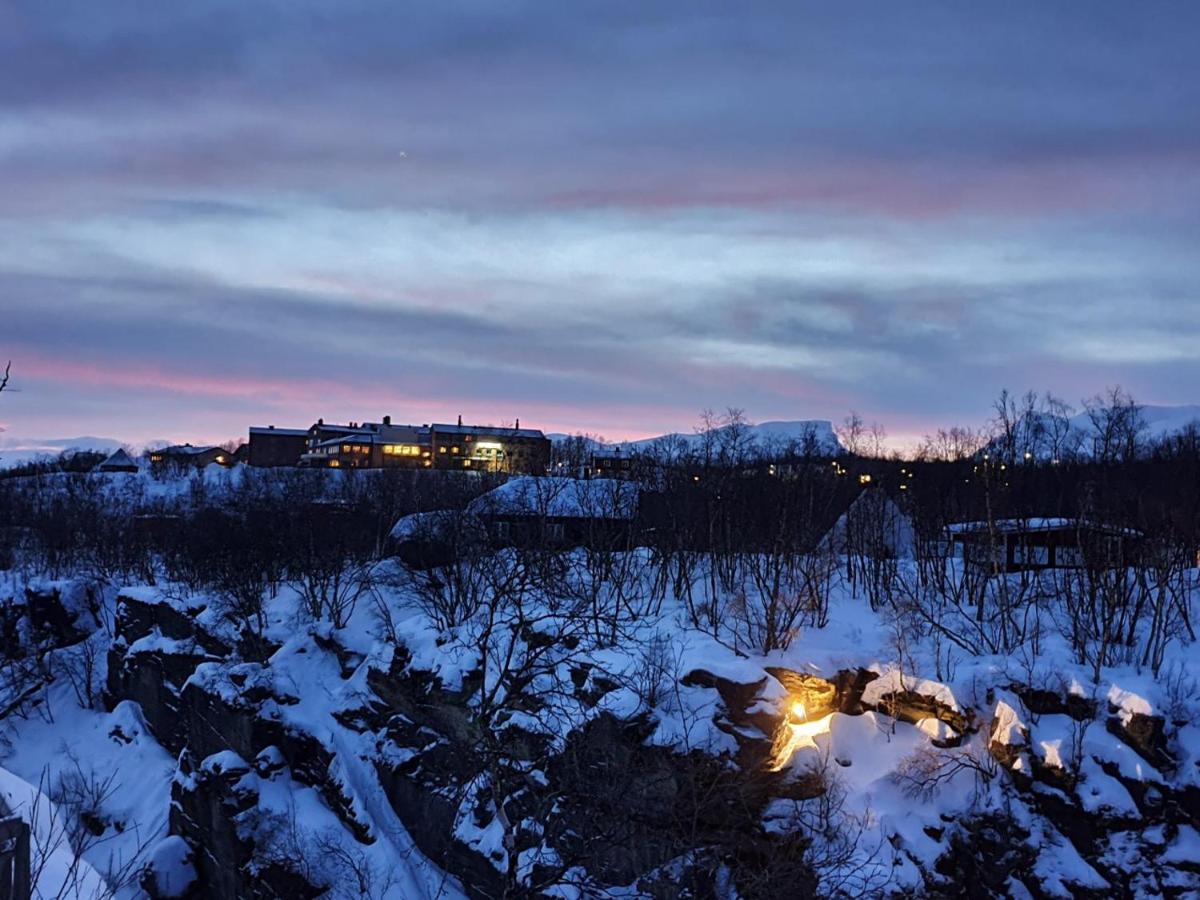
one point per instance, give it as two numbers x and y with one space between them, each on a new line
797 736
799 713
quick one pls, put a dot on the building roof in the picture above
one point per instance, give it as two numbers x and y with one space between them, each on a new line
437 525
119 459
185 450
1025 526
487 430
389 434
560 498
271 429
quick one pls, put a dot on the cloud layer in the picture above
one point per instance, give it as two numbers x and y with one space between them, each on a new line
597 216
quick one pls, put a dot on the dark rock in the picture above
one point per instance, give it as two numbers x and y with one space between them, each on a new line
207 804
1051 703
1145 734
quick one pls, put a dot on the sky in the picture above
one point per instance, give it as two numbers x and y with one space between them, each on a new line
599 217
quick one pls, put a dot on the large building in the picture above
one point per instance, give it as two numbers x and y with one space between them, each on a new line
382 445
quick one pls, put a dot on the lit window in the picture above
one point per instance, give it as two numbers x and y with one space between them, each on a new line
345 448
441 449
454 449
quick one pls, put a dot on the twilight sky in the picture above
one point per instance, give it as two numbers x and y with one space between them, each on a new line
590 216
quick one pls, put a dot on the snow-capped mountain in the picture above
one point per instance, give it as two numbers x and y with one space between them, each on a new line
816 435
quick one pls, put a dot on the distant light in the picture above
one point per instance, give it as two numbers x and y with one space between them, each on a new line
864 479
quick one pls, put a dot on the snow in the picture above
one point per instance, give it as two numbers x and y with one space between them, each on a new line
560 498
765 435
434 525
863 757
1007 727
894 681
171 862
1185 848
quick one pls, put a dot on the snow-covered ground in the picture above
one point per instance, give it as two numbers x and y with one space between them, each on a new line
897 793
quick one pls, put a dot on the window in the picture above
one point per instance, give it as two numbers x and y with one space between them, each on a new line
1068 556
454 449
441 449
500 529
554 531
1031 555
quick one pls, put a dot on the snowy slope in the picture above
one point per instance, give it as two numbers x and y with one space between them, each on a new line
765 435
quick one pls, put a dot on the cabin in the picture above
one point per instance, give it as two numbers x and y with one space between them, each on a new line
559 512
120 461
182 456
1023 545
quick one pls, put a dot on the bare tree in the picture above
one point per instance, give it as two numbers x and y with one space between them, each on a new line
1117 425
852 434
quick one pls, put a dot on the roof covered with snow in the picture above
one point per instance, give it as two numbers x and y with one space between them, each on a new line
186 450
1023 526
486 430
271 429
436 525
118 460
560 498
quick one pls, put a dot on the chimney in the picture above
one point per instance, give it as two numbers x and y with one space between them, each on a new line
517 426
320 421
387 420
460 420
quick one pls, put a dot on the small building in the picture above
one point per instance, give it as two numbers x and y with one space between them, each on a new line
183 456
1018 545
271 447
120 461
559 512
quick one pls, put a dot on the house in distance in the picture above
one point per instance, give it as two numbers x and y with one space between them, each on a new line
182 456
